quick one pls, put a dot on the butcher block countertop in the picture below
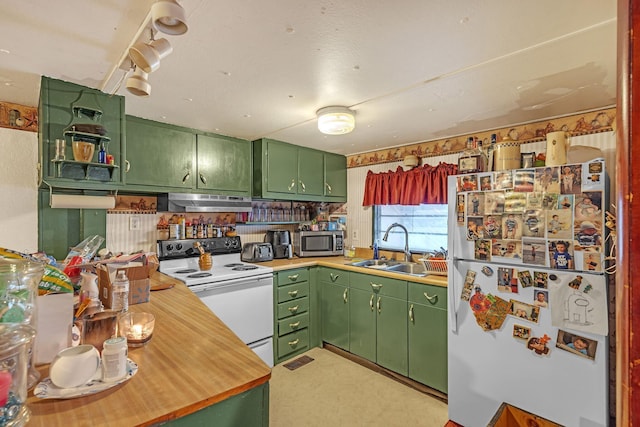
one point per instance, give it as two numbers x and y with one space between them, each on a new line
191 362
343 264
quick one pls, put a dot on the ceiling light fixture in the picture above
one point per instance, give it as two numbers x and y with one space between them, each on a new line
147 56
336 120
168 17
137 84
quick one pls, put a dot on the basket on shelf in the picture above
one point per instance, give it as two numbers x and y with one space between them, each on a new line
435 266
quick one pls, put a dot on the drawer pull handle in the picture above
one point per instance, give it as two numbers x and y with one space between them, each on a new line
379 305
186 177
293 278
128 166
375 286
293 183
304 189
293 293
371 302
411 318
344 295
433 298
203 179
294 342
294 325
334 277
293 309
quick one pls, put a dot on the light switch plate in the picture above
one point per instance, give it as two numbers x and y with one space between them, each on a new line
134 223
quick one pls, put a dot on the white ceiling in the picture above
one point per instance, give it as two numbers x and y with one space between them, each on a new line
414 70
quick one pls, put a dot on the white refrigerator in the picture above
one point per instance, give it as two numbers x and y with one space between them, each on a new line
527 294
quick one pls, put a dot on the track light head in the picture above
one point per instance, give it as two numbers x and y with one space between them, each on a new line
168 17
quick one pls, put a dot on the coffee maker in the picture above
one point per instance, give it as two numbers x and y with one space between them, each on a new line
281 242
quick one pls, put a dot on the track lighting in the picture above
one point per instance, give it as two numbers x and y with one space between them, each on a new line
137 84
147 56
168 17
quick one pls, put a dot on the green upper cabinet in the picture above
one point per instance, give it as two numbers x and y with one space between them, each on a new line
224 165
70 112
159 156
335 177
290 172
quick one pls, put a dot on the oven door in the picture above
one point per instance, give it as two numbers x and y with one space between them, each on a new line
245 305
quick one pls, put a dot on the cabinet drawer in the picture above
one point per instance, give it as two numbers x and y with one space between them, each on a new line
293 342
433 296
293 276
291 308
292 324
333 275
290 292
382 285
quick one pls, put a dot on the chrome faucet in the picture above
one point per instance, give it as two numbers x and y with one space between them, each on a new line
407 254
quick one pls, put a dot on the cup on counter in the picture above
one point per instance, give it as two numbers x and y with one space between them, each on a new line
75 366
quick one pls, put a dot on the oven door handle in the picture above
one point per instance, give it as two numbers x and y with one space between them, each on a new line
247 281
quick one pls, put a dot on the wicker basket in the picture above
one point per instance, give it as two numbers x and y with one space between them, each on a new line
435 266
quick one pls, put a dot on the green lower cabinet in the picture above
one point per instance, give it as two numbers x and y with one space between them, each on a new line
334 314
391 342
428 335
250 409
362 324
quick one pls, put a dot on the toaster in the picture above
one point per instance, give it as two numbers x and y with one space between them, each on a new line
257 252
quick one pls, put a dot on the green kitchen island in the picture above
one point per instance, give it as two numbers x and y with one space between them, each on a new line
194 371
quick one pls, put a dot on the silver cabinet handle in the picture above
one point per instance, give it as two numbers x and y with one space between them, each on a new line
293 184
203 179
344 295
333 277
433 298
375 286
294 325
293 293
328 187
411 318
293 278
379 305
371 302
186 177
293 309
294 342
128 166
303 186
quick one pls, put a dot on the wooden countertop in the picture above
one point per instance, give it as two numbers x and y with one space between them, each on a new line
343 264
192 361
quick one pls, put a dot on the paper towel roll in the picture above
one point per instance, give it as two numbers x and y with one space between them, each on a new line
76 201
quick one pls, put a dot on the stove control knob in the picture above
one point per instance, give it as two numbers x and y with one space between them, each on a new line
179 246
169 247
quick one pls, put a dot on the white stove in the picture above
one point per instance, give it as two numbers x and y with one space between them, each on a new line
239 293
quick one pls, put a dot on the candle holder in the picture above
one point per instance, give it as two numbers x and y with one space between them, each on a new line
136 327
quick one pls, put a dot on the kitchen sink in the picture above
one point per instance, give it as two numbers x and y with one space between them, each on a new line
409 268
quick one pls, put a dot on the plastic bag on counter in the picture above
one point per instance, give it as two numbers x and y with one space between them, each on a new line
53 281
86 249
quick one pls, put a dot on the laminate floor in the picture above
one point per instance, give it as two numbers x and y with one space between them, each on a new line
334 391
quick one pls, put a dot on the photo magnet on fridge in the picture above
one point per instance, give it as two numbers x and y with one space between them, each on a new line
525 278
539 345
576 344
571 179
547 180
521 332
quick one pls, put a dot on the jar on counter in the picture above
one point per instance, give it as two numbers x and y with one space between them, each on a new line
15 345
114 359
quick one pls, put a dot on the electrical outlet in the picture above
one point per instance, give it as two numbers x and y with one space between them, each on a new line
134 223
354 235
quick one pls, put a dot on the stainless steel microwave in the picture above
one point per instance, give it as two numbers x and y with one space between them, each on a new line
318 243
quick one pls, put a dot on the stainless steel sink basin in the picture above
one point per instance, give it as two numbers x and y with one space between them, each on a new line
375 263
409 268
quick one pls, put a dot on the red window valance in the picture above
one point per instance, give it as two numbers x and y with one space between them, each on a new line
425 184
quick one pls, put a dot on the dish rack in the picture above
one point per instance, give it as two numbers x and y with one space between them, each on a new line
435 266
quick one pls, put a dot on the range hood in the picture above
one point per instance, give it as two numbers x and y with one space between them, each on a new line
187 202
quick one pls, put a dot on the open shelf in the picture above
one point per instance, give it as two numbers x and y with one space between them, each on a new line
83 170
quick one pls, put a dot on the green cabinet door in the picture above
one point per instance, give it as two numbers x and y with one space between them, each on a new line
334 314
427 309
281 168
335 177
362 323
224 165
391 327
159 156
310 172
